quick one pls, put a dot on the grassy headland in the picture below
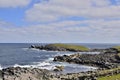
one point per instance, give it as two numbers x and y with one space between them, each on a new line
70 46
61 47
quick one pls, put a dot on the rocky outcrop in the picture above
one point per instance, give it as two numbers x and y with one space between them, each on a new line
58 68
27 74
90 75
1 76
48 48
108 50
100 60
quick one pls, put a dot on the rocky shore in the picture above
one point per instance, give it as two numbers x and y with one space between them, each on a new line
107 62
103 60
40 74
26 74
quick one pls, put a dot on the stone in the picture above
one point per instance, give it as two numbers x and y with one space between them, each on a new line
59 68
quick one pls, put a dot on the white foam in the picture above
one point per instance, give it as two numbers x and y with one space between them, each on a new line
51 67
41 65
22 66
34 49
44 65
49 60
1 67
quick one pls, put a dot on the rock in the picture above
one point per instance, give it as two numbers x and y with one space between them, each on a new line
27 74
1 76
41 74
32 46
104 60
58 58
59 68
109 50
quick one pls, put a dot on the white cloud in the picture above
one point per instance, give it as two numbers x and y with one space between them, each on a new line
5 24
57 9
94 29
101 3
66 31
13 3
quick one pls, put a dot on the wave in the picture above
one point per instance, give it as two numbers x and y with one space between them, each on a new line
1 67
22 66
51 66
64 53
49 60
33 49
40 65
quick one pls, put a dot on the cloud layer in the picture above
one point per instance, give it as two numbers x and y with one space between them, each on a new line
56 9
13 3
97 21
65 31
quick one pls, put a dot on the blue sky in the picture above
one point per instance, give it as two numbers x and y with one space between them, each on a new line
67 21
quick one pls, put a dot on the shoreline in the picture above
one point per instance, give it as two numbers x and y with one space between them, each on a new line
43 74
109 59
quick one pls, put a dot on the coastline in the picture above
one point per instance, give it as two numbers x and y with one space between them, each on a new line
17 72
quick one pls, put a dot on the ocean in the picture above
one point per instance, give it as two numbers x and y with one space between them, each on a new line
19 54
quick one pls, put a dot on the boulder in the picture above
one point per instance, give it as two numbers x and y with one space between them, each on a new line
59 68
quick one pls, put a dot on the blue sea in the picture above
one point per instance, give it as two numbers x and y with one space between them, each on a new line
19 54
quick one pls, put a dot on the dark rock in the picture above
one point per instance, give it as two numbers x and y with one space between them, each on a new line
109 50
32 46
105 60
1 75
26 74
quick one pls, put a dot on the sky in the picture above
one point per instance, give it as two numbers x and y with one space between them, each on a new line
59 21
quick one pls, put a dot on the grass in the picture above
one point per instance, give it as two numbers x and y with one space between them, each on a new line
117 47
70 46
114 77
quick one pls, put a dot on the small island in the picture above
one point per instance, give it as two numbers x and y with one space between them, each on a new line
61 47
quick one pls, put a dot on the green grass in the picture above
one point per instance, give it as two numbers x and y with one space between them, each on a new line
117 47
70 46
114 77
